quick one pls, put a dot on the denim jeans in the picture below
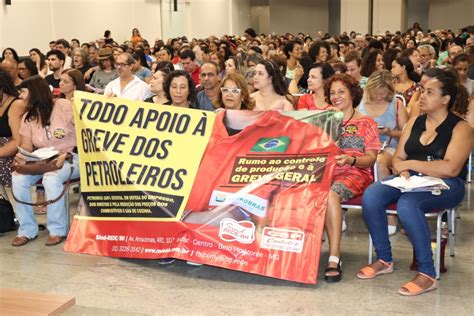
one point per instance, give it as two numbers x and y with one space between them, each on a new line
411 209
56 215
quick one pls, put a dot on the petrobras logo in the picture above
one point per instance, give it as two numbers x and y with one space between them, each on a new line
250 203
282 239
240 231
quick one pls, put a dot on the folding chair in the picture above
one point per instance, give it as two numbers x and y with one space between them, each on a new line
438 214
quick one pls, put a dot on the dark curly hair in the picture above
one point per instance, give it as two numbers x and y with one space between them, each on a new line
350 83
316 47
191 86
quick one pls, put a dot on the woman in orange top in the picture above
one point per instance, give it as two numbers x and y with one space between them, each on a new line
136 37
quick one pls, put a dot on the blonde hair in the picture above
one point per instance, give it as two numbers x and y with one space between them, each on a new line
379 79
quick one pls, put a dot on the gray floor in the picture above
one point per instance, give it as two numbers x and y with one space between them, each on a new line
108 286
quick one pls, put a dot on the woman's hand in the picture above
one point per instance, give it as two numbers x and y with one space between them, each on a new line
385 131
298 72
19 160
342 160
60 160
400 167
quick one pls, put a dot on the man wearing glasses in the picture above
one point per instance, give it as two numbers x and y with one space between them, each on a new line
209 79
127 85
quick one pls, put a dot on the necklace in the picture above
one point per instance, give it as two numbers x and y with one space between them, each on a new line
347 122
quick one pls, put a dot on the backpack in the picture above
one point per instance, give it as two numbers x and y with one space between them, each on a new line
7 216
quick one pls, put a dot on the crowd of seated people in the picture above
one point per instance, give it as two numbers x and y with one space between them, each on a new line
397 92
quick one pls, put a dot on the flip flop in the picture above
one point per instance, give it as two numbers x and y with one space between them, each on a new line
368 272
413 289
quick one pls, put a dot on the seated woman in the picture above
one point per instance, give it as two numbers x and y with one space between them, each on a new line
272 91
359 143
371 62
156 83
40 60
11 111
71 80
180 90
45 124
104 73
234 65
235 93
436 144
379 102
315 100
406 80
140 67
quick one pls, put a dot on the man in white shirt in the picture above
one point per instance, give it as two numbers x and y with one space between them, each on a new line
127 86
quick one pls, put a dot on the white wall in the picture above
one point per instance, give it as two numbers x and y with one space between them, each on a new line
388 15
452 14
355 16
201 18
299 16
33 23
240 16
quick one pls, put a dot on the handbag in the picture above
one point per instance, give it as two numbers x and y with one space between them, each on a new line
7 216
41 167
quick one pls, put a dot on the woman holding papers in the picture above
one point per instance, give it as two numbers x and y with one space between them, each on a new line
46 123
435 144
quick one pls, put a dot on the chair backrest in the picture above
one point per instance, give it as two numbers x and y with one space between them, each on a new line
401 98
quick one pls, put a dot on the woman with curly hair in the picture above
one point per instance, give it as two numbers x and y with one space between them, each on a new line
359 143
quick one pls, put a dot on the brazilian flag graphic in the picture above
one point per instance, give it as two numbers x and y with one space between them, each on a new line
273 145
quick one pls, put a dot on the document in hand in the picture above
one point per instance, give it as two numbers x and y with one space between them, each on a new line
417 184
39 154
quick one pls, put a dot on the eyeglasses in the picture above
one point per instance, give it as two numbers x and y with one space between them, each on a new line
234 91
121 64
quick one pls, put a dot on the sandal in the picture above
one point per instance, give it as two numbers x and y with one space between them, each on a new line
368 272
337 277
412 289
21 240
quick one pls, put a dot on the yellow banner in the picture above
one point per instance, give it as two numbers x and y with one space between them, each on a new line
138 159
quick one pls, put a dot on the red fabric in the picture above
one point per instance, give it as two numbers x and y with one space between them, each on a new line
306 102
356 132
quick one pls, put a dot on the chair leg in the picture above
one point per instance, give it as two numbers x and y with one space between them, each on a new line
451 225
370 249
438 245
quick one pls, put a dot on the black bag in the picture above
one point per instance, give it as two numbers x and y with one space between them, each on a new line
7 216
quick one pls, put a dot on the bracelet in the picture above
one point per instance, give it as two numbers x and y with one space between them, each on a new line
353 161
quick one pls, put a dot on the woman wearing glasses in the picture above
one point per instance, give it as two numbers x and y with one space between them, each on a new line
234 94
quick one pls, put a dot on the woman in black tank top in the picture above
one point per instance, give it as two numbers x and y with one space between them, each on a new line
11 111
436 144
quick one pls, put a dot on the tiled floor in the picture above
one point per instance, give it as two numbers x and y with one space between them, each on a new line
108 286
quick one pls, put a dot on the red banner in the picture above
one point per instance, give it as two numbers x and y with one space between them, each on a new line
257 203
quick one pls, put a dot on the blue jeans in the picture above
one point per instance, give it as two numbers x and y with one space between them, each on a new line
56 215
411 209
